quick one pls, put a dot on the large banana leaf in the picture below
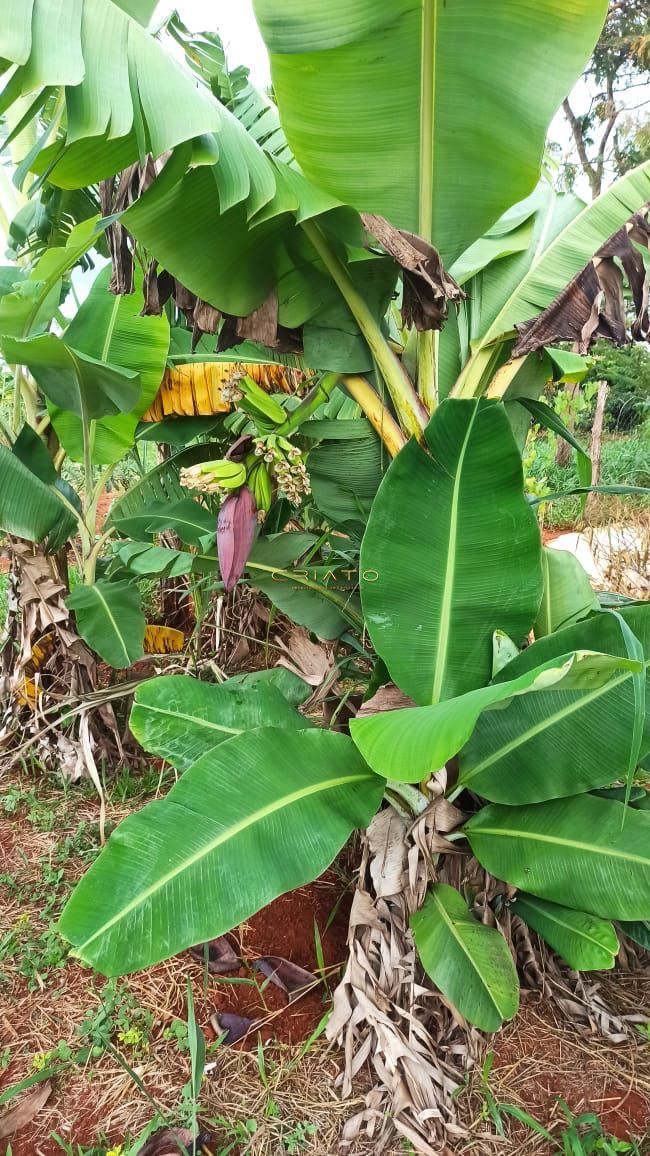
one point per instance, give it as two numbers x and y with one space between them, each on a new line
451 554
84 385
235 261
28 506
179 719
577 852
124 94
345 476
638 931
264 813
560 742
470 962
409 744
187 518
30 306
496 277
568 594
434 113
110 329
584 941
110 619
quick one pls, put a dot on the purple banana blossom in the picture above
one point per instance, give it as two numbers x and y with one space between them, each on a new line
236 527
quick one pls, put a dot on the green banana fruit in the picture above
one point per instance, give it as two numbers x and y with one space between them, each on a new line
224 473
260 483
257 403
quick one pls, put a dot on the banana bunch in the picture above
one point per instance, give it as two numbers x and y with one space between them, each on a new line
288 466
214 477
265 411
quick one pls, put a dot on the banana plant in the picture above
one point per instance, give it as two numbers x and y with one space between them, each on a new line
451 558
428 123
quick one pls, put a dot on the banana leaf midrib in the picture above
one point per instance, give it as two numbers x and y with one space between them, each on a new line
442 648
458 939
223 837
194 719
530 902
118 634
537 837
545 724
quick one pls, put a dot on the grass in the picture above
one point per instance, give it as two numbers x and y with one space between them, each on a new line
625 461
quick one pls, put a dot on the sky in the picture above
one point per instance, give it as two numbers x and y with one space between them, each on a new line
235 22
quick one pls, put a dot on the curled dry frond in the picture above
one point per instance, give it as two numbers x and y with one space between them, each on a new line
593 304
428 287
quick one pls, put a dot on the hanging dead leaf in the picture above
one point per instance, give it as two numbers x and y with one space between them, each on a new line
163 640
25 1111
221 957
592 305
115 195
288 976
428 287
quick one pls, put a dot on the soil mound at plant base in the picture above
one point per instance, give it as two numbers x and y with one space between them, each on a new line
297 926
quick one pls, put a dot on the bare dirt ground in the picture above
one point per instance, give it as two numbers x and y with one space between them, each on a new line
275 1092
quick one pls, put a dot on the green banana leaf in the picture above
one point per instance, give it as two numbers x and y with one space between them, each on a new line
638 931
308 594
85 386
292 688
264 813
187 518
547 213
177 718
548 268
574 851
559 742
451 553
470 962
149 561
31 305
544 415
409 744
29 508
427 113
585 942
110 329
568 594
109 618
235 260
345 476
124 96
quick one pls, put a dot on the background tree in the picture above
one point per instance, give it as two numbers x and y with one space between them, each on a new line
611 134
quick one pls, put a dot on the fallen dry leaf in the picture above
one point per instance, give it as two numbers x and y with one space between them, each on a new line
25 1111
233 1027
221 957
288 976
305 658
388 697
